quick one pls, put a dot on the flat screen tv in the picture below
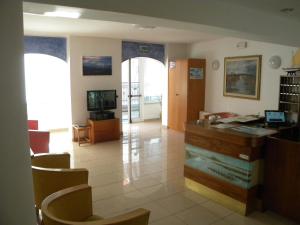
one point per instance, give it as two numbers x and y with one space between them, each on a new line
100 100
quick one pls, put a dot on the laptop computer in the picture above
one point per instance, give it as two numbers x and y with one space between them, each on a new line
275 118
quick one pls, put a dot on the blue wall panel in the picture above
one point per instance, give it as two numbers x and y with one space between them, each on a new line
54 46
138 49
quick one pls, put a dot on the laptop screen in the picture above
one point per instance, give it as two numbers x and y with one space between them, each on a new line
275 116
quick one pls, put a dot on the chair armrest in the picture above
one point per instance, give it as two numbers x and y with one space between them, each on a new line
61 160
71 204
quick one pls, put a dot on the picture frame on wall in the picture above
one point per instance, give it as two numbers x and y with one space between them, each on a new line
242 76
96 65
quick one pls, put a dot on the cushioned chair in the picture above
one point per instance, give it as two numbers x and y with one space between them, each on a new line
38 139
33 124
51 173
73 206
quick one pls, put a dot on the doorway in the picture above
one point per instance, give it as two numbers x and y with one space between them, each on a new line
142 85
48 91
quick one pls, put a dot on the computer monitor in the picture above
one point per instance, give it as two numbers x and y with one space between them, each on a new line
275 117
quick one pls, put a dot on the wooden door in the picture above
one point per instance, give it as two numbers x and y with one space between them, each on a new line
172 97
181 94
177 95
196 90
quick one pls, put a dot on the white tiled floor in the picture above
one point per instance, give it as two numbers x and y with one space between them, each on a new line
145 169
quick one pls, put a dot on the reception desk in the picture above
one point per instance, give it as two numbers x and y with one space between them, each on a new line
225 165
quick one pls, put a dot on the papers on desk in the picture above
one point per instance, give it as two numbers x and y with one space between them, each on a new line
224 125
254 130
240 119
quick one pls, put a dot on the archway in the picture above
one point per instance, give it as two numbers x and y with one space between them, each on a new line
142 89
47 91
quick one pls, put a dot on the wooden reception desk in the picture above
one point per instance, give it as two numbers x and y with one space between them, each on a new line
224 165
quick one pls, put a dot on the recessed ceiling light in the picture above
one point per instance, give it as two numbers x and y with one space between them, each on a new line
143 27
287 10
73 15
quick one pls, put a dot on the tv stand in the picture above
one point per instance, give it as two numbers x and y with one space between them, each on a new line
104 130
102 115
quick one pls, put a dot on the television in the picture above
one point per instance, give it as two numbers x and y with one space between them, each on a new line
100 100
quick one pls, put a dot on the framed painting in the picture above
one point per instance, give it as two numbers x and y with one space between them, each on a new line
242 76
96 65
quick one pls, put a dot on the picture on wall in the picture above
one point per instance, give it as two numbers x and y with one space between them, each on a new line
242 76
96 65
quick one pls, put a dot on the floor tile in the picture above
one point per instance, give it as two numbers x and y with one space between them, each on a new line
217 209
197 215
195 196
176 203
168 221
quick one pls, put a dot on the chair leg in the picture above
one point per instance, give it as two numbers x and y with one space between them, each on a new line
38 218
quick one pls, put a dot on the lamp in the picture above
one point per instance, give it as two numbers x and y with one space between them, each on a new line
275 62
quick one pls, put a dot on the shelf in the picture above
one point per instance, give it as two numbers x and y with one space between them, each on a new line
284 93
292 103
290 85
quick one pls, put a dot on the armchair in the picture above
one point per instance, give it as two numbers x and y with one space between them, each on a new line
74 206
51 173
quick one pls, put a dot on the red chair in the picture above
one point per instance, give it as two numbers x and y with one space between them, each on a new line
33 124
38 140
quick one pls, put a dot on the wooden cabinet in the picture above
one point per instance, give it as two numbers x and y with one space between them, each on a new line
282 175
186 92
104 130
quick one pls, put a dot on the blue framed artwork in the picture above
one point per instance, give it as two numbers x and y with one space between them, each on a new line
196 73
96 65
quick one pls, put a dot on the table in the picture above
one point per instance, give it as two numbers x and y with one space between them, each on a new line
85 131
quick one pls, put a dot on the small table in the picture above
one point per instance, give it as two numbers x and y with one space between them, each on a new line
86 138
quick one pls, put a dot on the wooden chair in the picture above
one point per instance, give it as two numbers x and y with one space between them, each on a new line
51 173
73 206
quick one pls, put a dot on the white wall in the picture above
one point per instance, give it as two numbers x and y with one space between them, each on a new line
218 49
16 189
88 46
152 111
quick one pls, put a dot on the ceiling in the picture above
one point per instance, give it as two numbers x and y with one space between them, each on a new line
55 26
271 6
195 21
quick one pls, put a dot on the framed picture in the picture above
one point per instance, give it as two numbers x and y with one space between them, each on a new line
242 76
196 73
96 65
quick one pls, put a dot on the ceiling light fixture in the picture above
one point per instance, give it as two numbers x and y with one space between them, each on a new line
64 14
143 27
287 10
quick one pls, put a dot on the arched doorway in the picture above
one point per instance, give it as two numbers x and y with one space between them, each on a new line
48 91
142 89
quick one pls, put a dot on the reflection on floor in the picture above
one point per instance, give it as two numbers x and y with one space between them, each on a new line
145 169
